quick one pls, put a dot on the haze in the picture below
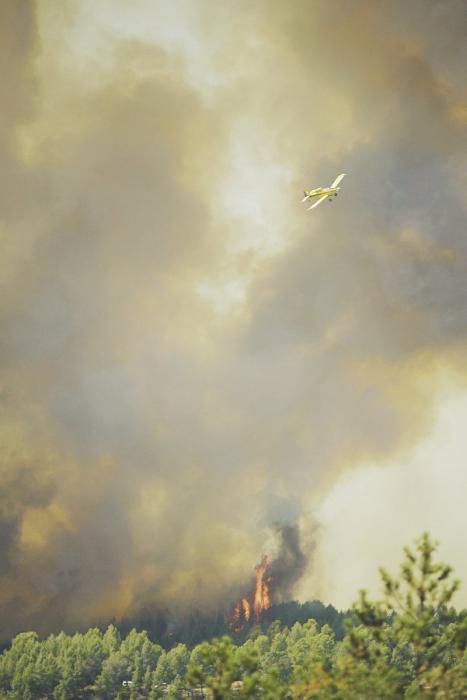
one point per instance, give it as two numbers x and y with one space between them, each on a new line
187 356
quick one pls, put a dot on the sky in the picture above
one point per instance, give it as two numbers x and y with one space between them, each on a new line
188 358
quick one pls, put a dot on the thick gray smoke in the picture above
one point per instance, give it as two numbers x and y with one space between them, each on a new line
289 565
147 442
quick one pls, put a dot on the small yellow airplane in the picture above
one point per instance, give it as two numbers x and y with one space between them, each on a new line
323 192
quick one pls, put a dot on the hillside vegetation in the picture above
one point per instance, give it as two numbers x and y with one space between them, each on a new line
412 644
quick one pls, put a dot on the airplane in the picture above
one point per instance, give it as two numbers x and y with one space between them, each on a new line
323 192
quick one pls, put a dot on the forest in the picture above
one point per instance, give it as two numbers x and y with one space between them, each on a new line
410 644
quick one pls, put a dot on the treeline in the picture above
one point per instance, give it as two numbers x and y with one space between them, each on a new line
199 627
412 644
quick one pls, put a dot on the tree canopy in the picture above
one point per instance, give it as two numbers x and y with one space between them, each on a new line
410 644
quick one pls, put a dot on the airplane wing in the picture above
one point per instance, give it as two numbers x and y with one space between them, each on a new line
338 179
307 196
321 199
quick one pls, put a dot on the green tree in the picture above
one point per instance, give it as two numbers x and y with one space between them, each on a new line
163 672
228 671
115 669
411 644
111 640
213 666
22 657
425 630
277 657
177 659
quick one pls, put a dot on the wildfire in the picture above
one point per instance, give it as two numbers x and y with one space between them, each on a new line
262 597
246 608
259 598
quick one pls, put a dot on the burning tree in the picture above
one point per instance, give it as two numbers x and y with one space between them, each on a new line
274 581
258 599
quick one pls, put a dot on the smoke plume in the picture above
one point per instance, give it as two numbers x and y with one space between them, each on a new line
186 356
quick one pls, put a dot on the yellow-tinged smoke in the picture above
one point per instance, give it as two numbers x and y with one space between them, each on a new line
148 440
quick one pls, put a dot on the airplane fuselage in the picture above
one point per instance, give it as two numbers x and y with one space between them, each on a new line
321 191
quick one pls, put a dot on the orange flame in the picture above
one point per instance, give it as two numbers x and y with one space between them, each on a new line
258 600
262 597
246 608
